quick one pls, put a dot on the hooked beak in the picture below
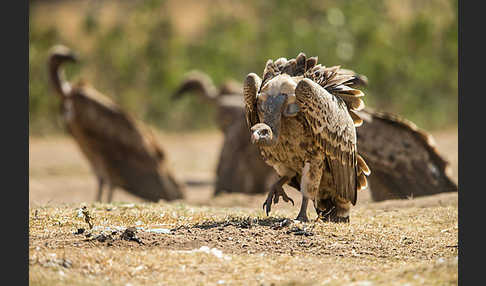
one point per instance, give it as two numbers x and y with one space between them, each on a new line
261 134
73 57
69 57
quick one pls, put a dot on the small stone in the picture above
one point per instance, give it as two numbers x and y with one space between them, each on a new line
79 231
66 263
130 235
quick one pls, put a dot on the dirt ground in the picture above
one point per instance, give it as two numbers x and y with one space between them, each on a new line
228 239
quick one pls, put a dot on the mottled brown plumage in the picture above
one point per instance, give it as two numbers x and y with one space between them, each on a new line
299 115
121 151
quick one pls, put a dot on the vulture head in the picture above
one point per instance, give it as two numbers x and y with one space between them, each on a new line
275 98
59 54
199 82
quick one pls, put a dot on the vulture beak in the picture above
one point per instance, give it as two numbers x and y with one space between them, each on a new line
73 57
62 53
261 134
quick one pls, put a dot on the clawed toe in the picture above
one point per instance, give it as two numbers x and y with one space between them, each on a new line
274 196
267 205
284 197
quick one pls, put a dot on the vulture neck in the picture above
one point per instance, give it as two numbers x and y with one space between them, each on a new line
58 81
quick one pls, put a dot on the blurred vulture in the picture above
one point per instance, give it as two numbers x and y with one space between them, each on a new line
404 159
302 117
121 151
240 168
227 98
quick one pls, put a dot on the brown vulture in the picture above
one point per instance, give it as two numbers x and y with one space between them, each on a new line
302 116
122 152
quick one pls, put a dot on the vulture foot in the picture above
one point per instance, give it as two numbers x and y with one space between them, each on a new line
274 195
302 218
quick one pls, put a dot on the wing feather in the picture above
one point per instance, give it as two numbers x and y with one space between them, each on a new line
356 118
250 89
329 118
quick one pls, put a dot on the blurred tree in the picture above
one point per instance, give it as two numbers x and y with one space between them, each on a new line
408 50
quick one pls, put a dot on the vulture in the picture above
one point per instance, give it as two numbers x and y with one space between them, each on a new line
240 168
228 98
122 152
302 116
419 171
403 157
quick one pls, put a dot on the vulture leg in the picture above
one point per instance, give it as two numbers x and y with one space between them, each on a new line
100 189
276 192
110 193
302 216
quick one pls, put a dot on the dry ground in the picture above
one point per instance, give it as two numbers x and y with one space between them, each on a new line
228 239
225 240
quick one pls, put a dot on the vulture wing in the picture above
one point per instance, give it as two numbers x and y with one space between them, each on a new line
251 87
330 121
403 158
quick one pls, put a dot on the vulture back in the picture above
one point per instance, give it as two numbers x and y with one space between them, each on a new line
121 148
404 159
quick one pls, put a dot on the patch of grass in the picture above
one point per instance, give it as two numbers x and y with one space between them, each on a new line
391 245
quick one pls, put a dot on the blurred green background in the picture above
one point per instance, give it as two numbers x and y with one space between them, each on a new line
137 52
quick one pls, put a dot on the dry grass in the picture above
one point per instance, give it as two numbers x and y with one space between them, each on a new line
388 243
385 245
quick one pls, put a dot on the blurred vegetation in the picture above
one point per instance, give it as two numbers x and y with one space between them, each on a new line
409 54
